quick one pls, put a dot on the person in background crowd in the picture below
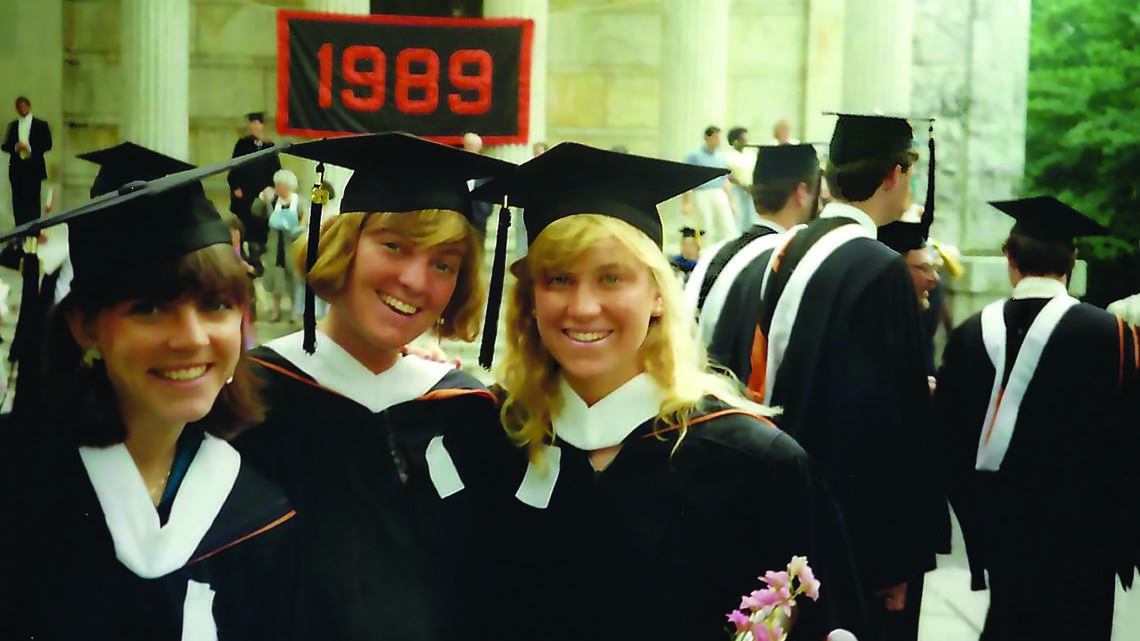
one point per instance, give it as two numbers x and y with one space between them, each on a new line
782 134
280 211
1036 407
684 262
644 467
248 182
473 143
855 393
135 518
26 141
711 203
725 284
389 458
741 159
538 149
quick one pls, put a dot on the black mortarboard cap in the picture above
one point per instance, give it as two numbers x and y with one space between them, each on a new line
141 222
1047 218
869 136
775 162
573 178
689 232
903 236
259 116
392 172
127 162
396 172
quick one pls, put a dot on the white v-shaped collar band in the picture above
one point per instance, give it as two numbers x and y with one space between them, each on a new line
337 370
145 547
609 421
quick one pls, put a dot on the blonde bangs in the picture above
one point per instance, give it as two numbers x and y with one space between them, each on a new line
426 228
565 240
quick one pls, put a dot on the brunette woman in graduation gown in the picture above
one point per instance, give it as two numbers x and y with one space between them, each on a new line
124 512
655 495
383 454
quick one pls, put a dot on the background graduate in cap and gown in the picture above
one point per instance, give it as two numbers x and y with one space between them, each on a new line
840 339
785 192
684 262
1036 405
124 513
248 180
655 493
383 453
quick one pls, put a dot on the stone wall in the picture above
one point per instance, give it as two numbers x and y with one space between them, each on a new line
604 70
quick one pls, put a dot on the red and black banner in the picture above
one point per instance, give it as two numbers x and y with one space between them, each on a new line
434 77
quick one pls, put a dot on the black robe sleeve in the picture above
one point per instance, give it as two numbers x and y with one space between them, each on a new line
963 387
9 145
879 454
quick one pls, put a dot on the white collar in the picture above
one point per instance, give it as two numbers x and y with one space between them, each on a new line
142 543
1039 287
774 226
337 370
843 210
286 203
607 422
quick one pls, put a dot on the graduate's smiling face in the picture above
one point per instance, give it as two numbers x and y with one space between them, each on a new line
166 360
593 316
395 291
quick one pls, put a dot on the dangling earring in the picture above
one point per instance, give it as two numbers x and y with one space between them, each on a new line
230 379
439 322
90 355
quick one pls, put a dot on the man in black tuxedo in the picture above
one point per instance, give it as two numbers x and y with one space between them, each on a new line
249 180
27 140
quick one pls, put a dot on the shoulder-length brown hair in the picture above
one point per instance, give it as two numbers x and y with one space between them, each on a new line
82 399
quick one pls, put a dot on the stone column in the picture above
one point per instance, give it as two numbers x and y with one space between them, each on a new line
156 75
823 78
694 72
538 11
336 176
878 51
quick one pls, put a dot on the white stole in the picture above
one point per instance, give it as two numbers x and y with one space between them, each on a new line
1001 414
718 293
788 306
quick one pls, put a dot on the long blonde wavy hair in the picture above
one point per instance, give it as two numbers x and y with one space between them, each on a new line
671 353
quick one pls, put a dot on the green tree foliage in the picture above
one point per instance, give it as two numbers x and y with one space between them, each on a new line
1083 129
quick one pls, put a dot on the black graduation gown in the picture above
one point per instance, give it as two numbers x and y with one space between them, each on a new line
735 328
62 580
1056 520
854 394
384 556
722 257
251 178
663 545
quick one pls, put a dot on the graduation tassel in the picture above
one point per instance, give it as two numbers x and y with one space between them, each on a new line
320 199
495 292
928 209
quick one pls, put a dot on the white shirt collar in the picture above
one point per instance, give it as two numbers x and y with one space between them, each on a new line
609 421
764 222
843 210
1039 287
337 370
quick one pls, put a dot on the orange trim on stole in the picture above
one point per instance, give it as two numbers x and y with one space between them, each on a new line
285 372
758 378
997 406
229 545
1120 375
709 417
1135 350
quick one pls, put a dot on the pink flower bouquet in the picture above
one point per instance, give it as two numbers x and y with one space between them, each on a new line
765 614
